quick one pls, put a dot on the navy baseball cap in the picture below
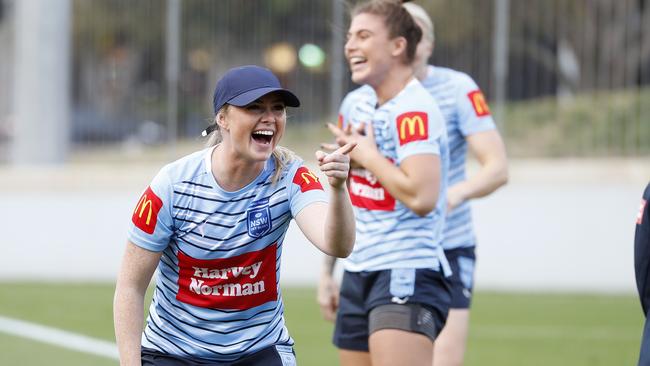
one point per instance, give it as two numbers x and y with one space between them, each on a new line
243 85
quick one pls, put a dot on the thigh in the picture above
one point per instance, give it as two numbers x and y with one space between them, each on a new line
397 347
450 346
354 358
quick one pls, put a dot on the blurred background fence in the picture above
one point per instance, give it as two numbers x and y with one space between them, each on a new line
564 77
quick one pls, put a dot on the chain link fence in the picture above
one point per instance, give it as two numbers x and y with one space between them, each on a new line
142 72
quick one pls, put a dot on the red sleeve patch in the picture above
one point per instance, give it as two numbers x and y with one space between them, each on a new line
340 121
478 103
306 180
145 215
412 126
639 216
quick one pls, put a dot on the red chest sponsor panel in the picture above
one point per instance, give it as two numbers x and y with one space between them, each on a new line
369 193
237 283
306 180
145 215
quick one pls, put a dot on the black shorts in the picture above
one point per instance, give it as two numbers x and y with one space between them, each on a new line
462 262
423 290
278 355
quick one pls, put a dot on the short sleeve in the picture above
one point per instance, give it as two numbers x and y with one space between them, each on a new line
151 225
304 188
418 130
473 111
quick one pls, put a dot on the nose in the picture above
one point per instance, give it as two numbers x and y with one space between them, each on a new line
349 46
268 115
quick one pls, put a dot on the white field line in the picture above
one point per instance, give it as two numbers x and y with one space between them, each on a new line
58 337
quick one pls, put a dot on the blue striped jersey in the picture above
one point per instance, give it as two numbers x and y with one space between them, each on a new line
466 112
389 235
217 294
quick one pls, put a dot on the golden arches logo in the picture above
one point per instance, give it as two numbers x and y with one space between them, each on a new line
142 205
479 103
306 175
411 123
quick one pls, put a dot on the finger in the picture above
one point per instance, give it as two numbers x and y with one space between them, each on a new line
345 149
329 147
320 155
335 130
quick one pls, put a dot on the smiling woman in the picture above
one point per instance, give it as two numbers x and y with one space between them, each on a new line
214 222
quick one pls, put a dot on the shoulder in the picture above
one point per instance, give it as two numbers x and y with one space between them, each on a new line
185 168
414 96
362 93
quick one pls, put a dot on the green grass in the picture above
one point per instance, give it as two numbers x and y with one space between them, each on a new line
506 328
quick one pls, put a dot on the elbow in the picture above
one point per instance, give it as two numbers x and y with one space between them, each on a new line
343 247
503 176
422 207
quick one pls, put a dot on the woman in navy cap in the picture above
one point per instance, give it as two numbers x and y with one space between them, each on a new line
213 224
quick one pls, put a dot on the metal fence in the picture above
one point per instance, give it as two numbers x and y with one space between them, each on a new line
574 73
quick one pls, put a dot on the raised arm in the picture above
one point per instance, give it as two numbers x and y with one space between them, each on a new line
416 182
331 227
137 268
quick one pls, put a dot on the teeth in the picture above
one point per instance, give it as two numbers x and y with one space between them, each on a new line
263 132
357 59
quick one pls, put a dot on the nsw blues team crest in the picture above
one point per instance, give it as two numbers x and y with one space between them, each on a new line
258 218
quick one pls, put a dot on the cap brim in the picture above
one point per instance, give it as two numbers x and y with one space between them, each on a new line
290 99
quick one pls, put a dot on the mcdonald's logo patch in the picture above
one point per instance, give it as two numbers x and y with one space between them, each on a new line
340 122
412 126
478 103
639 216
145 214
306 180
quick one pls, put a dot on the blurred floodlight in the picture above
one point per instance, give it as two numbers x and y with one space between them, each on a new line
280 58
311 56
199 60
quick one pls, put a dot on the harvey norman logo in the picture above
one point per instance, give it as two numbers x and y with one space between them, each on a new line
239 282
412 126
145 215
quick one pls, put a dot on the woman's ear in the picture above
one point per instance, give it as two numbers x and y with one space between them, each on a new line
399 46
221 121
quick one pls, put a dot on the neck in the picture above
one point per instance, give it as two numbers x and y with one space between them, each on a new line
393 83
422 71
231 172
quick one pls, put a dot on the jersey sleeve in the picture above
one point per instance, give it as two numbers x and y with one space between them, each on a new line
473 111
418 129
304 187
151 225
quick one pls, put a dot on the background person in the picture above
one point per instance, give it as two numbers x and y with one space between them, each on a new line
642 269
394 297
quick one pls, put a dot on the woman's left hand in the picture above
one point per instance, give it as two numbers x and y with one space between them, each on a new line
336 165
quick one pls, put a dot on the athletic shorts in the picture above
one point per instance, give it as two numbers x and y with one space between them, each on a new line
277 355
462 262
424 292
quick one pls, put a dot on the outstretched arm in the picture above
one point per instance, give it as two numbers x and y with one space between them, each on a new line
138 265
331 227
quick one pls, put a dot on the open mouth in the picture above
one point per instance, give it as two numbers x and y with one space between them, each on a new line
357 60
263 136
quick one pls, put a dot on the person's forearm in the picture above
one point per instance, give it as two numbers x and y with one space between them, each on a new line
400 186
340 223
490 176
328 265
128 317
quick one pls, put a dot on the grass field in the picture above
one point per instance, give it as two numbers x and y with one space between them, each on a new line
506 328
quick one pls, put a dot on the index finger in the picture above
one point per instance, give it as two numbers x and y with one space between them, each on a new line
345 149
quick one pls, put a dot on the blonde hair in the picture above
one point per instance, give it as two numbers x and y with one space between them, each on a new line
419 14
282 156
